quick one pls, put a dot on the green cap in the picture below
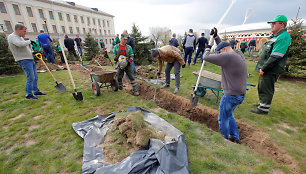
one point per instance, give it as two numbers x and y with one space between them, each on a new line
124 36
279 18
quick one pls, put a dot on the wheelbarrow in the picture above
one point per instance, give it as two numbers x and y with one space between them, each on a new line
210 81
103 79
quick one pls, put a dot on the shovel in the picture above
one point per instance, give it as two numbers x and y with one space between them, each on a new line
194 99
77 95
59 86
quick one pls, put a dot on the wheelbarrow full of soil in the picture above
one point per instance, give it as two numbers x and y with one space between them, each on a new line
103 79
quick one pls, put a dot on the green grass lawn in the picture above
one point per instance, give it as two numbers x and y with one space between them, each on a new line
37 136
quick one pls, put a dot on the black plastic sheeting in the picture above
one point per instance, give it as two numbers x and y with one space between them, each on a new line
156 158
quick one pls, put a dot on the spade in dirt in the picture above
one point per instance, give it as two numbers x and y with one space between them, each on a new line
194 98
77 95
59 86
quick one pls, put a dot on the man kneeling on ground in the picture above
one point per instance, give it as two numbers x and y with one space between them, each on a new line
123 55
234 74
172 56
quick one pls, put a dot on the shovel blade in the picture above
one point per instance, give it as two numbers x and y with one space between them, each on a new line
78 96
60 87
194 100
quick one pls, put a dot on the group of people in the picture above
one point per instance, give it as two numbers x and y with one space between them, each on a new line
271 64
234 69
244 46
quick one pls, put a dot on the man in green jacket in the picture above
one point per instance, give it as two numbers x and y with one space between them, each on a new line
123 55
272 62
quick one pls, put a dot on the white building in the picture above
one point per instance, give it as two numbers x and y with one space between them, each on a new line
58 18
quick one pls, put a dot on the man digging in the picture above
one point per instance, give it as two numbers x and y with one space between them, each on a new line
172 56
123 55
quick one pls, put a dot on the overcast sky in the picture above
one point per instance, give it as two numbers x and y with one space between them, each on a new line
180 15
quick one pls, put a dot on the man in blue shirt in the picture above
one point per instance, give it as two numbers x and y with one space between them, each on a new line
173 41
78 41
202 41
43 40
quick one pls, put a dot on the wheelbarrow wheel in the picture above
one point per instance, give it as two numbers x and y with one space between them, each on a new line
200 92
115 85
95 88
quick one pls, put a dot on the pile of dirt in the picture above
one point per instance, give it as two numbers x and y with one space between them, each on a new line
91 68
41 66
148 72
102 60
250 135
128 133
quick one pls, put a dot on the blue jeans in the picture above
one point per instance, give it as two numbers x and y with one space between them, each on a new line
188 52
80 50
197 54
29 68
226 118
48 52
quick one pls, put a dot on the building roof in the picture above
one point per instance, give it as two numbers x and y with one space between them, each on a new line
76 6
251 27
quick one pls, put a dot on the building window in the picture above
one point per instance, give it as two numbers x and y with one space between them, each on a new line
2 7
89 31
88 21
41 13
107 23
104 32
100 31
34 27
60 16
75 18
82 19
103 23
78 30
8 26
109 32
54 28
71 31
99 22
16 9
94 21
68 18
51 15
63 29
84 31
45 27
95 31
105 41
29 10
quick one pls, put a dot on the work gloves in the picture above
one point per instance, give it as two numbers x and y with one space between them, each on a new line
183 66
158 74
214 32
33 43
116 59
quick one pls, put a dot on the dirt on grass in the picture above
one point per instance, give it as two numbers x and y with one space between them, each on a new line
102 60
41 66
128 133
148 72
250 135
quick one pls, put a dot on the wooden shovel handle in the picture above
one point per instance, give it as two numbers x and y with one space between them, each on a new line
39 56
71 78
